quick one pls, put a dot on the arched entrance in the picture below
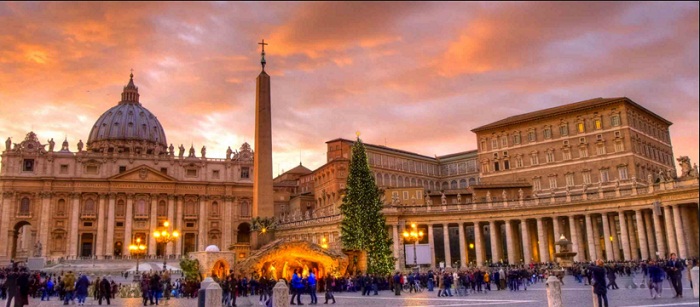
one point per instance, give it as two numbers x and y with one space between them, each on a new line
279 259
220 269
244 233
23 240
86 245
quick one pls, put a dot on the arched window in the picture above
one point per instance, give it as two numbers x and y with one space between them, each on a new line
120 207
244 233
141 207
453 185
462 183
162 209
245 208
89 207
214 208
472 181
190 208
24 208
61 207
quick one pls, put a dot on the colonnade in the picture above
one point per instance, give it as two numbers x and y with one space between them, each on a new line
624 234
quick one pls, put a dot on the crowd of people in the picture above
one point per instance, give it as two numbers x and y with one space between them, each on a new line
17 284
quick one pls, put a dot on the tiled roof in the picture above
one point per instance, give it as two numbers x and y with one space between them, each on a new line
567 108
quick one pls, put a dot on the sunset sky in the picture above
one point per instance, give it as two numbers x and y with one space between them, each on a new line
413 76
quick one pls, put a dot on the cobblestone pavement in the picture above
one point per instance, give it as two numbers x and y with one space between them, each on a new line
574 294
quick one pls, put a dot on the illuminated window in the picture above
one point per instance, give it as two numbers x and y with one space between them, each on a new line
581 127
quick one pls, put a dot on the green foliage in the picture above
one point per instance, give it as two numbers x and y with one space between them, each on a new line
364 226
191 269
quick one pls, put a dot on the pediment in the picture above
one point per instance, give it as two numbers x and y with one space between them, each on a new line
143 173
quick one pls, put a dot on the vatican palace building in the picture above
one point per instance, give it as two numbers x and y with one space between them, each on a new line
600 172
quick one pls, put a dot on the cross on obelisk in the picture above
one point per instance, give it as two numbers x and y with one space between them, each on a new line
262 60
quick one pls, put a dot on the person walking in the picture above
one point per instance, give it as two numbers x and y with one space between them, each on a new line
312 288
674 268
656 278
330 285
105 291
599 287
68 287
397 283
297 287
81 289
612 279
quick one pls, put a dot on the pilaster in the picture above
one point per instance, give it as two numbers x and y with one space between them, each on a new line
99 240
74 221
109 246
128 224
44 227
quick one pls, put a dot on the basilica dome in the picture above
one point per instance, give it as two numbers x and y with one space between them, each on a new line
128 127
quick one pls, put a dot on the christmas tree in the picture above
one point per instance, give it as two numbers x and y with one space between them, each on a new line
364 227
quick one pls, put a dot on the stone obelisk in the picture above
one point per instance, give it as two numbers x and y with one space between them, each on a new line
262 160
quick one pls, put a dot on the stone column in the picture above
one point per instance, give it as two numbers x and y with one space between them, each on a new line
478 244
553 286
589 237
670 232
527 255
228 217
634 255
153 225
542 238
431 242
616 242
128 224
202 223
495 244
44 223
624 237
109 245
462 247
642 234
180 225
573 228
5 207
659 233
556 230
74 221
446 239
596 238
680 236
99 245
510 244
609 254
169 250
395 237
649 228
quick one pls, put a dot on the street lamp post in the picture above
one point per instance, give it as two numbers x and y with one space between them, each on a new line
162 235
413 235
137 249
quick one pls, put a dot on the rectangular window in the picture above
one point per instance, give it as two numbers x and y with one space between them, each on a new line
598 124
496 166
604 175
191 173
120 224
570 180
550 157
547 133
483 146
405 194
536 184
619 147
91 169
531 137
245 172
583 152
564 130
494 143
419 194
615 120
164 170
600 149
64 169
519 162
506 164
581 127
516 139
122 169
552 182
534 159
622 172
215 174
28 165
566 155
587 177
